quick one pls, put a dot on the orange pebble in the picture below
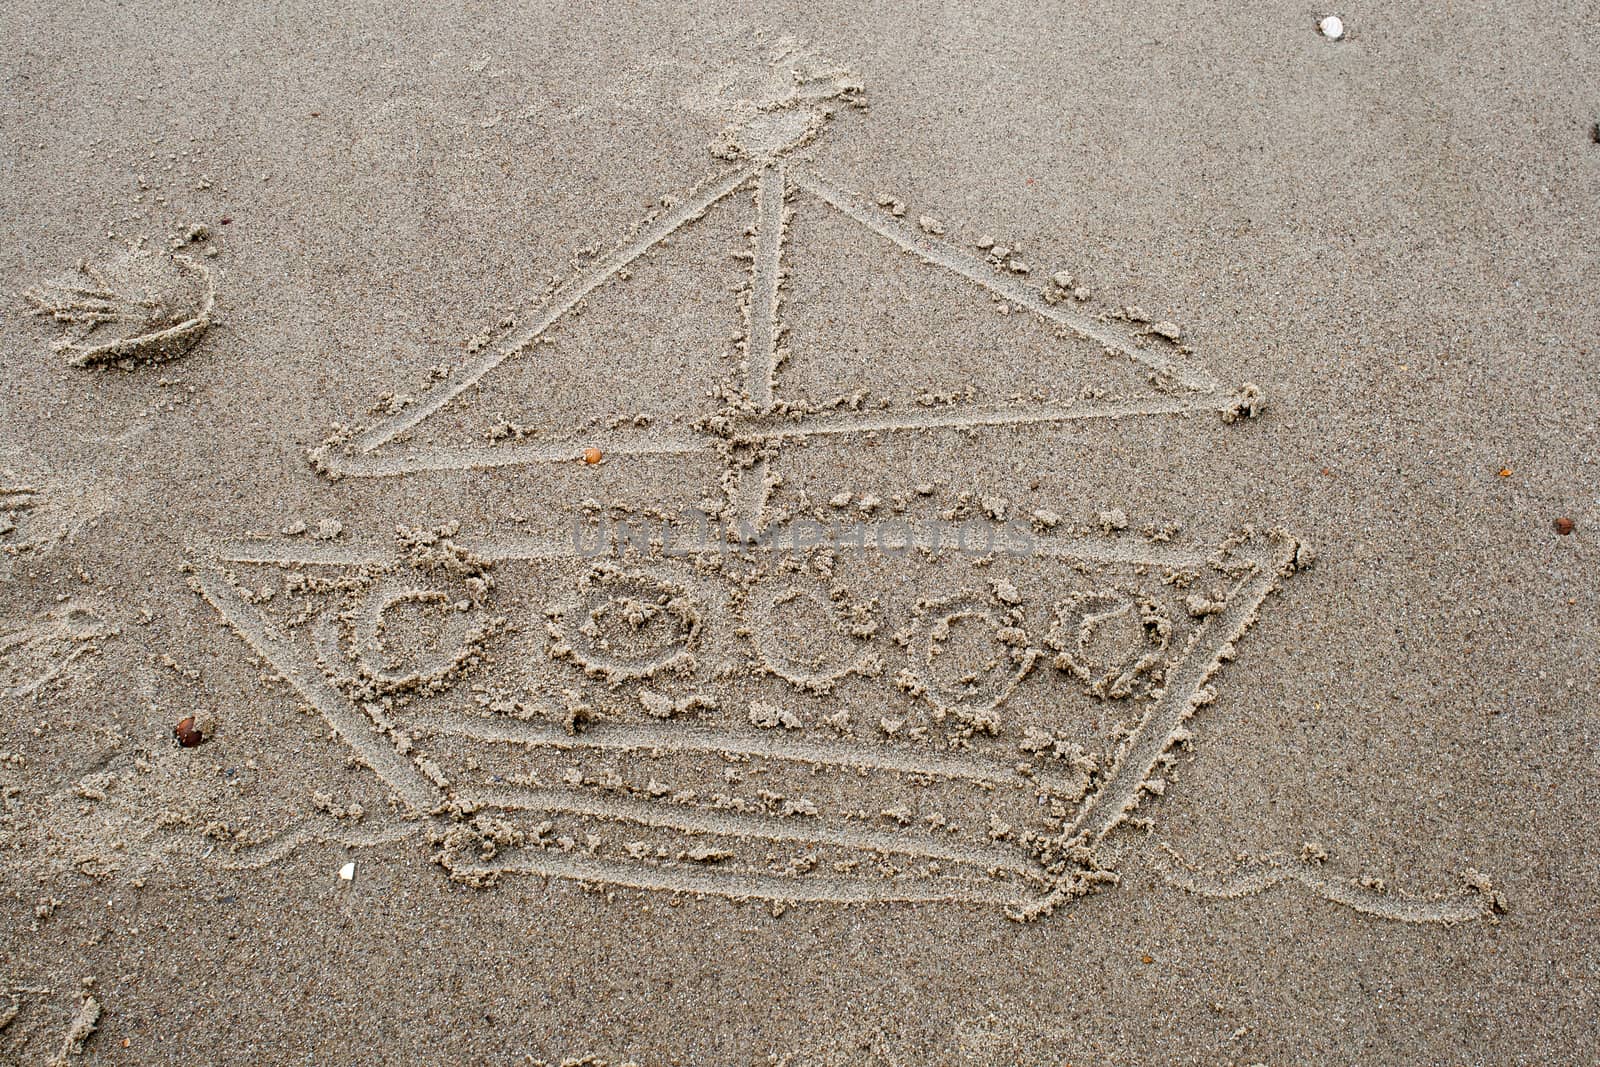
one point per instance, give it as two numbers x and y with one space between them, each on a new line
187 733
591 456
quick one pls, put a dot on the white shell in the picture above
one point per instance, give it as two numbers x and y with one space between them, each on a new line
1331 27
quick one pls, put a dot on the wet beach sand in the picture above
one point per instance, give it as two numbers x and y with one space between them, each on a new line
798 534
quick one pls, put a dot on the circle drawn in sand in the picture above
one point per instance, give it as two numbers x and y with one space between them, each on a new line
390 636
973 652
803 637
1109 640
629 625
408 638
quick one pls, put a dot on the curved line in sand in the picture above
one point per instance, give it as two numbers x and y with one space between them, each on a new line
740 885
1258 876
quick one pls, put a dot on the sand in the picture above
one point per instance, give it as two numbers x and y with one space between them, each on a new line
810 535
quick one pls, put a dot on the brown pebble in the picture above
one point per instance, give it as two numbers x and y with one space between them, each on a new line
1564 526
186 732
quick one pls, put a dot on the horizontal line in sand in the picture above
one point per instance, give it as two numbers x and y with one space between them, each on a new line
488 457
271 851
676 737
965 416
666 815
754 426
745 885
876 537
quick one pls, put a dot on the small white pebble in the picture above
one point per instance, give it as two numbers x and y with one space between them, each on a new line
348 872
1331 27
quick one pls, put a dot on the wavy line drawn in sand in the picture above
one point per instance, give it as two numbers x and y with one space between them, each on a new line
1476 899
867 727
750 432
138 308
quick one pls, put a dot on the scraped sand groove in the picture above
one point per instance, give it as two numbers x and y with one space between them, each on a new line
731 719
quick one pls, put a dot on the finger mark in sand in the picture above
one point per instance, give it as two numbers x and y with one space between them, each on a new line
82 1027
136 309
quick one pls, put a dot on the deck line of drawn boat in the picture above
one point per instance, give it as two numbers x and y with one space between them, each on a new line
807 888
875 536
759 427
679 737
806 829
